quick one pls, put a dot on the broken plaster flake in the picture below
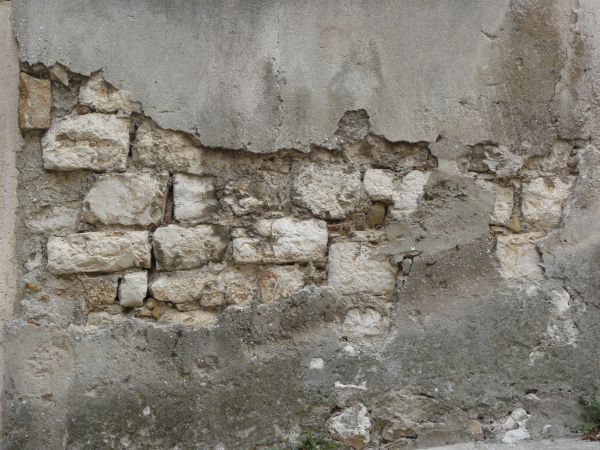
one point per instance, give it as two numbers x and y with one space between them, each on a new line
543 199
518 256
379 184
285 240
177 248
59 73
35 103
126 199
133 289
317 364
356 267
97 142
351 426
496 159
328 190
362 386
110 251
194 197
101 96
408 192
364 323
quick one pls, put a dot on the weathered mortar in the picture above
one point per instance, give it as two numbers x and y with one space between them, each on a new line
175 291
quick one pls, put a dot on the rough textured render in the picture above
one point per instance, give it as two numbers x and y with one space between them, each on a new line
226 225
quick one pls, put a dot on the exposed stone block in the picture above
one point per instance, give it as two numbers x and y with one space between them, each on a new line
518 255
133 289
97 142
379 184
357 267
283 240
351 427
103 97
193 196
364 323
100 291
503 205
543 199
328 190
110 251
408 192
126 199
35 103
209 287
177 248
279 282
57 220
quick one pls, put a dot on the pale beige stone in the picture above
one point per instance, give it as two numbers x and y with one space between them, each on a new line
543 199
379 184
194 196
368 322
59 73
57 220
97 142
100 291
126 199
351 426
110 251
35 103
133 289
503 205
101 96
518 256
177 248
280 282
283 240
328 190
407 193
357 267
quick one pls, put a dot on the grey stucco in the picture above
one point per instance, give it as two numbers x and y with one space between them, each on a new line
266 75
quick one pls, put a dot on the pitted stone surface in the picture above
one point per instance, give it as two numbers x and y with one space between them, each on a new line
543 199
194 197
109 251
133 289
97 142
177 248
283 240
35 103
357 267
102 97
126 199
329 191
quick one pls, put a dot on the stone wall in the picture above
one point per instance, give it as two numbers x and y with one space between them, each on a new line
181 285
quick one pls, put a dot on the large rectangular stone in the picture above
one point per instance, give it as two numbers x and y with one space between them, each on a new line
177 248
357 268
126 199
35 103
95 252
194 196
97 142
283 240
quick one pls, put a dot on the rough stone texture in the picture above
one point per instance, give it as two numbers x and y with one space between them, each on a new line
458 319
329 191
406 196
379 184
35 103
102 97
133 289
177 248
283 240
97 142
98 252
543 199
356 267
193 197
351 427
126 199
279 282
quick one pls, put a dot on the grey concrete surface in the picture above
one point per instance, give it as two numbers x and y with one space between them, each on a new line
271 74
546 444
10 140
